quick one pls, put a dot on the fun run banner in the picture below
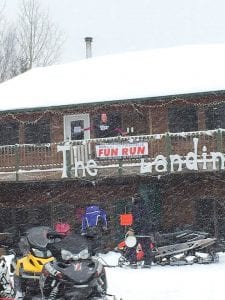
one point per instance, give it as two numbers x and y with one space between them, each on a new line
121 150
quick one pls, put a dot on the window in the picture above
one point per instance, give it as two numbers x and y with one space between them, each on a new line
77 130
107 125
183 119
38 132
9 133
215 117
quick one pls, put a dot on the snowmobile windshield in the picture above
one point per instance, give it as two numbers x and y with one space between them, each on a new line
73 246
37 236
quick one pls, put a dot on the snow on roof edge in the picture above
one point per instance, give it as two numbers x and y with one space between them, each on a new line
121 101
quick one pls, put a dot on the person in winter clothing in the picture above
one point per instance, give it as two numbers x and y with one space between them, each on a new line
94 226
130 253
130 232
146 244
143 226
94 217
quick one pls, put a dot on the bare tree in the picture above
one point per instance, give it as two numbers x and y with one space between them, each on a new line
39 40
33 41
8 59
8 56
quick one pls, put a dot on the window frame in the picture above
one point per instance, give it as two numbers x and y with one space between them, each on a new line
6 136
215 117
35 136
182 119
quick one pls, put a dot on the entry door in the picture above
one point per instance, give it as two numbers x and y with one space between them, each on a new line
148 208
76 127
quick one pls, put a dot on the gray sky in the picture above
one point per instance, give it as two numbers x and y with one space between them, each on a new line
129 25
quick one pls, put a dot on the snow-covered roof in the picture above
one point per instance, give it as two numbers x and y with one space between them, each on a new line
151 73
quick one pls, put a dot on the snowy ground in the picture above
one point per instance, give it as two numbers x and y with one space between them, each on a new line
205 281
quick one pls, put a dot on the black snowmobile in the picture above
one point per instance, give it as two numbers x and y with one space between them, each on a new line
177 248
74 273
185 247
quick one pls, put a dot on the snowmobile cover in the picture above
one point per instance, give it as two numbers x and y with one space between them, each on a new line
94 216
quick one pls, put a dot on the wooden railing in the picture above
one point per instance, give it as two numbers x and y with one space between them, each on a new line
48 158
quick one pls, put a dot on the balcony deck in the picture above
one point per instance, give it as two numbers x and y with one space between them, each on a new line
117 156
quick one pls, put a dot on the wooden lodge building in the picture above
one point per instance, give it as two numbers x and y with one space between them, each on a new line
140 132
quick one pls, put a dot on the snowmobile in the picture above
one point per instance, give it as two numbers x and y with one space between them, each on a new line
7 267
74 273
178 248
34 255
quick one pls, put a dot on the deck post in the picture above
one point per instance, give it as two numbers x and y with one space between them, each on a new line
219 140
168 149
17 161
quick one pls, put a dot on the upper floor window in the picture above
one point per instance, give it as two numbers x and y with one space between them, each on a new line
183 119
37 132
215 117
9 133
107 124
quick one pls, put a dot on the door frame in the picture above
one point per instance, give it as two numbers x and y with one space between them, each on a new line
76 117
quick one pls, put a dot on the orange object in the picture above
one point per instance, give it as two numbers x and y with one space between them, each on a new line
139 252
121 245
126 219
63 228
